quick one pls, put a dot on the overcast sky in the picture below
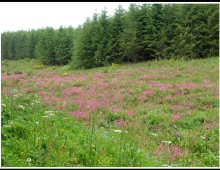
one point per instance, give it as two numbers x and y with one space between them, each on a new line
33 15
16 16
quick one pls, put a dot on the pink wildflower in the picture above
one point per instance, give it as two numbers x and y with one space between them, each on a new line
149 92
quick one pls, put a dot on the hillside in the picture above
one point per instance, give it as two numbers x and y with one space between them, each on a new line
150 114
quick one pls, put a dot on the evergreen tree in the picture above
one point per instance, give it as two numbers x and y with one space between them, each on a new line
84 53
213 30
131 38
63 48
153 31
102 37
115 30
40 48
31 43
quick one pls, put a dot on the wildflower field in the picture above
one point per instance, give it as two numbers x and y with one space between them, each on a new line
152 114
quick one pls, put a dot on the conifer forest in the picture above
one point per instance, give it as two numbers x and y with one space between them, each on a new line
143 32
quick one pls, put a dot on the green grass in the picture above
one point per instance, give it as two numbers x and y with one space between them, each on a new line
189 119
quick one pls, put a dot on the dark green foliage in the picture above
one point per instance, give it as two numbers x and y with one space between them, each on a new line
143 32
115 31
84 49
102 39
131 38
64 41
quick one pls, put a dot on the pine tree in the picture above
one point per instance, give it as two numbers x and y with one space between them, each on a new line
84 52
153 31
115 30
213 30
31 43
131 38
63 50
102 37
40 48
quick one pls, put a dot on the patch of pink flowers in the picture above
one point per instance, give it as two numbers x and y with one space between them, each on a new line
140 82
149 92
211 125
170 152
176 117
80 115
69 92
188 86
119 123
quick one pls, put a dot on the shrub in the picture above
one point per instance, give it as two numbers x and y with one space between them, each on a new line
18 72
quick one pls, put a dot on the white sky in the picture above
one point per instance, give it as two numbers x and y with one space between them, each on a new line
16 16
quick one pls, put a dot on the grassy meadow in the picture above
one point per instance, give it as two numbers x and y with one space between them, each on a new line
152 114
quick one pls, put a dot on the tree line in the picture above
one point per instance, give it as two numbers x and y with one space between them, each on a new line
143 32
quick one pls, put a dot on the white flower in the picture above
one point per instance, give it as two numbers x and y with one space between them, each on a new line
37 122
202 137
28 160
37 101
20 106
48 112
167 142
3 104
154 134
118 131
15 95
51 115
14 90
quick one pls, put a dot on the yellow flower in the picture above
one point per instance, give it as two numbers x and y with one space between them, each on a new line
36 66
15 154
114 64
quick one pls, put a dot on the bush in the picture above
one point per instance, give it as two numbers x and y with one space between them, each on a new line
17 72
